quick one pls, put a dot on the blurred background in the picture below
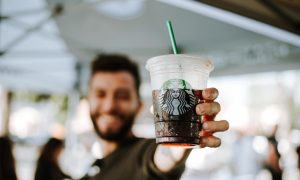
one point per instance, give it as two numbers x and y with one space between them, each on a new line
46 47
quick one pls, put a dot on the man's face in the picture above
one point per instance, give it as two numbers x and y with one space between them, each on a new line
114 104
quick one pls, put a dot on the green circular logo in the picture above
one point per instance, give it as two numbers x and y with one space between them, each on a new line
176 97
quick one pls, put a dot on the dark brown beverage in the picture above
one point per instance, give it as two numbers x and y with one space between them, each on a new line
176 122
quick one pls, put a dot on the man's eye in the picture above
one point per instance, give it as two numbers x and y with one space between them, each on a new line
123 95
100 94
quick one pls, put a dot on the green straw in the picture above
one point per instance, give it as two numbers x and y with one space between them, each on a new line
172 37
174 46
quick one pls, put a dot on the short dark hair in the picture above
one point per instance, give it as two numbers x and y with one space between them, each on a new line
116 63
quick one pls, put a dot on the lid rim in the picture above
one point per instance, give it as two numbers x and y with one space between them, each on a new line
204 61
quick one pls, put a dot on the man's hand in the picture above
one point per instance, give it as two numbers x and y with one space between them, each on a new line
208 110
166 158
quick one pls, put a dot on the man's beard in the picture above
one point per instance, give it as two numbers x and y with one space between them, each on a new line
127 123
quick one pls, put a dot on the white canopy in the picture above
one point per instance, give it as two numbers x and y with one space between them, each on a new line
49 62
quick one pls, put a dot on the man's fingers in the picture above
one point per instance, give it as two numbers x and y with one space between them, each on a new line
210 94
211 108
210 141
215 126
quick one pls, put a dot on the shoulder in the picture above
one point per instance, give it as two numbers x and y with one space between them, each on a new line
141 149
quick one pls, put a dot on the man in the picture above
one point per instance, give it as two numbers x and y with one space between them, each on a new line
114 102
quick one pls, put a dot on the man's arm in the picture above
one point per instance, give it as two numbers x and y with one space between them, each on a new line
166 158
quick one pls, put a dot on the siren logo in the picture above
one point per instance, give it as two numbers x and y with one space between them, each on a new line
176 97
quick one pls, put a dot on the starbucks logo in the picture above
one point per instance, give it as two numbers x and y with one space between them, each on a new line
175 98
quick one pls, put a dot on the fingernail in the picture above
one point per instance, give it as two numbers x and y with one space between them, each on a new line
215 94
205 126
211 94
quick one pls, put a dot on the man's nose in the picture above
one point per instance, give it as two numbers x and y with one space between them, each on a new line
108 105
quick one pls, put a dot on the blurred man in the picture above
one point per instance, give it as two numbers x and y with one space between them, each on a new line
114 102
272 163
7 159
48 162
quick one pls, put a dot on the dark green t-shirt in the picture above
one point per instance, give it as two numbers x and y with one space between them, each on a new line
133 160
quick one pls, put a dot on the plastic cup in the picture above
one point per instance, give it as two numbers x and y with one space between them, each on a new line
177 82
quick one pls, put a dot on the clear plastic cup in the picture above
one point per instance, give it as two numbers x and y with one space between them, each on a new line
177 82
